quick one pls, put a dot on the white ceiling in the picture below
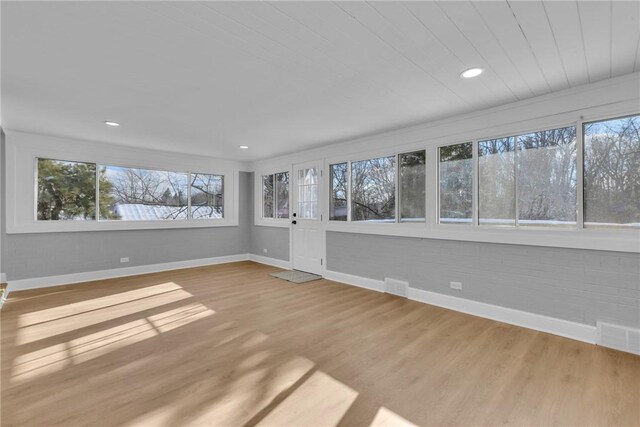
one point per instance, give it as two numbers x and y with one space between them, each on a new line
206 77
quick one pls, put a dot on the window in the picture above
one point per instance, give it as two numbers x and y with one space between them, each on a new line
267 196
207 197
612 172
373 190
412 175
338 177
66 190
456 184
308 193
546 180
282 195
132 194
275 195
497 184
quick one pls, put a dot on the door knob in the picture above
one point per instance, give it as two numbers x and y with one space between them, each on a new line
294 222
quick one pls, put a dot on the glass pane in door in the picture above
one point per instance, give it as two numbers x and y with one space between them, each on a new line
308 193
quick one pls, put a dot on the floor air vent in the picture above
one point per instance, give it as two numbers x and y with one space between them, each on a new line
619 337
396 287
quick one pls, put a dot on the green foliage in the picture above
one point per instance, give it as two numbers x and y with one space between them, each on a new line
67 190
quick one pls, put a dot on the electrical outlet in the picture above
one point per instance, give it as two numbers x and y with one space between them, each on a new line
264 250
456 285
125 259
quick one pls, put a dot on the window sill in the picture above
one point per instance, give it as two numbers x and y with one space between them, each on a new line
76 226
592 239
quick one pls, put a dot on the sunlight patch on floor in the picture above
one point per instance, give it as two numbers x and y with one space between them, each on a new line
181 316
257 384
75 308
321 400
91 346
387 418
41 329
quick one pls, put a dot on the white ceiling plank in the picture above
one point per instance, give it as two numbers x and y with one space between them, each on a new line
532 19
595 17
421 44
358 45
421 51
565 25
625 36
439 25
206 77
467 20
502 24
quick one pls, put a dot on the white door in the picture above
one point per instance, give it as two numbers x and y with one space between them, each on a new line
307 248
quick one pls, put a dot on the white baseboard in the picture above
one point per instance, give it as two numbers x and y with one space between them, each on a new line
361 282
271 261
539 322
68 279
551 325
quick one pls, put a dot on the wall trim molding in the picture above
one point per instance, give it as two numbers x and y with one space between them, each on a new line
270 261
90 276
359 281
538 322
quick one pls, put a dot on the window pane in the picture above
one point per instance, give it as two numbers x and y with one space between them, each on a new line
66 190
456 184
282 195
612 172
496 198
338 197
373 189
207 196
130 194
308 193
267 196
547 178
412 186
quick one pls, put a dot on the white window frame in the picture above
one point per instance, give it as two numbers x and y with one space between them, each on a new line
24 149
259 220
594 238
379 154
474 192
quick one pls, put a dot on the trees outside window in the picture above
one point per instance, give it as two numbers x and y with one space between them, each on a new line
612 172
207 196
275 195
412 175
373 189
456 183
497 186
144 194
67 191
546 179
338 180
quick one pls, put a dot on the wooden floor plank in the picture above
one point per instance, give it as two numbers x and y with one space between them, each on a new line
229 345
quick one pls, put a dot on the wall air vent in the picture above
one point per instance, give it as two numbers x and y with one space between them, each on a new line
396 287
621 338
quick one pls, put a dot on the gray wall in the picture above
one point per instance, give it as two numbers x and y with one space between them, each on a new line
50 254
3 201
573 284
274 239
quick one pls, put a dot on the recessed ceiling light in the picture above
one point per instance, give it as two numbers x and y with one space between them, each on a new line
110 123
244 147
471 72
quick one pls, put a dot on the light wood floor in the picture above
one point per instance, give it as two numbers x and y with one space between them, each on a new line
230 345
